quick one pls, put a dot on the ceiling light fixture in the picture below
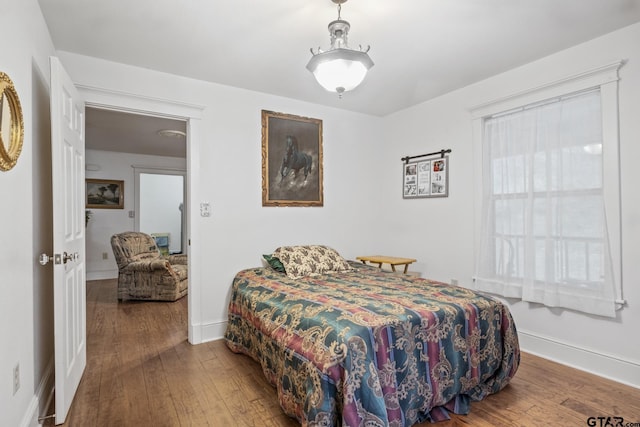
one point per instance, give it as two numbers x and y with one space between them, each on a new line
340 69
171 133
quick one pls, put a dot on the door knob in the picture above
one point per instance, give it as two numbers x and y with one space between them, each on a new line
44 259
70 257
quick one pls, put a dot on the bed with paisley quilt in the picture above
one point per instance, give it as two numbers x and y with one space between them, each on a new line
359 346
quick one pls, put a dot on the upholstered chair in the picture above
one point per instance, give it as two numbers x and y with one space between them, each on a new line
143 273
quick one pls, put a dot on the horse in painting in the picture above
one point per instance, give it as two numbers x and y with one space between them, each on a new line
294 159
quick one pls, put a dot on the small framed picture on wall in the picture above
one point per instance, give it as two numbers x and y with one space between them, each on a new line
104 194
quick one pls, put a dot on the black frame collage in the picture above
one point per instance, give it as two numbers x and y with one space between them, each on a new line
426 178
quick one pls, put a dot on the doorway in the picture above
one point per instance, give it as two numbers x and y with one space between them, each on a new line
123 147
161 209
191 115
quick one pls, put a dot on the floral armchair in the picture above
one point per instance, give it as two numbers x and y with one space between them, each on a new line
143 273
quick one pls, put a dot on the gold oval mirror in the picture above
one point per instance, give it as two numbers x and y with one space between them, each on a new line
11 124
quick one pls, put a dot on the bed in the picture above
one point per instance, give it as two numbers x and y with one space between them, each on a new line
359 346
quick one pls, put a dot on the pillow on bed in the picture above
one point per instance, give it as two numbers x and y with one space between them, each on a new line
274 263
310 260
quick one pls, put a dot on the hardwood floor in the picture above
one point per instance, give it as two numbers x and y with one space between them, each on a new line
141 371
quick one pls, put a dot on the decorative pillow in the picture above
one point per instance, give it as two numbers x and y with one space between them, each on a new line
274 263
310 260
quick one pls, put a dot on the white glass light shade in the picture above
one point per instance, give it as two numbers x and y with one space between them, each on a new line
340 70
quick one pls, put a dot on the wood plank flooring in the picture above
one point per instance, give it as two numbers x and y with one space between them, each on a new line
141 371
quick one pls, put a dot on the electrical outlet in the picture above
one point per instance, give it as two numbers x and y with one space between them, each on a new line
16 379
105 255
454 282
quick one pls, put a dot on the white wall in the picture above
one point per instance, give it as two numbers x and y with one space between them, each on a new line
106 222
26 332
439 232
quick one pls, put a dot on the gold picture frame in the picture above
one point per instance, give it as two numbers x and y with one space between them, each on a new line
11 124
291 160
104 194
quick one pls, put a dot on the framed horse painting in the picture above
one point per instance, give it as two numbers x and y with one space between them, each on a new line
291 160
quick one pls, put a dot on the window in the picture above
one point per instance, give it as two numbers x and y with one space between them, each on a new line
545 233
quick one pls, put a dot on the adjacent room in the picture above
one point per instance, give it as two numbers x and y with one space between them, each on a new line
327 213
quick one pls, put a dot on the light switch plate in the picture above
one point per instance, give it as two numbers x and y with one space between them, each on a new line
205 209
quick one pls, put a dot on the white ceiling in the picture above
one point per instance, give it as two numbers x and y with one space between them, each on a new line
421 48
132 133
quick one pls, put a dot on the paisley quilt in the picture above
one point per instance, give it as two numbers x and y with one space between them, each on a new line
370 348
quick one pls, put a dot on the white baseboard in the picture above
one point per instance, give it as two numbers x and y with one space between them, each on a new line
44 393
213 331
608 366
102 275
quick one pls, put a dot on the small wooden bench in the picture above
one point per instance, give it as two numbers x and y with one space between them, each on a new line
392 261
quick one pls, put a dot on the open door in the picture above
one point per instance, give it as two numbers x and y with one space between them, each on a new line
69 275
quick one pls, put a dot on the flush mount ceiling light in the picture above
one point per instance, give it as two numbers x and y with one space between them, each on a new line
340 69
170 133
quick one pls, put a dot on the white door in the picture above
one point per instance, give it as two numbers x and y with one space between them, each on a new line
69 275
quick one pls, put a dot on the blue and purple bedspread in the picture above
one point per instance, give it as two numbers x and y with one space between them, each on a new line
367 347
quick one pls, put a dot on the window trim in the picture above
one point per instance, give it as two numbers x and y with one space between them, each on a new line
606 79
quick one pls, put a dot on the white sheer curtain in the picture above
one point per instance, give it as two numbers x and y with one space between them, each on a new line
544 234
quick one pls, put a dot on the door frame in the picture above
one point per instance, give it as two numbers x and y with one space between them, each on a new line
192 114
